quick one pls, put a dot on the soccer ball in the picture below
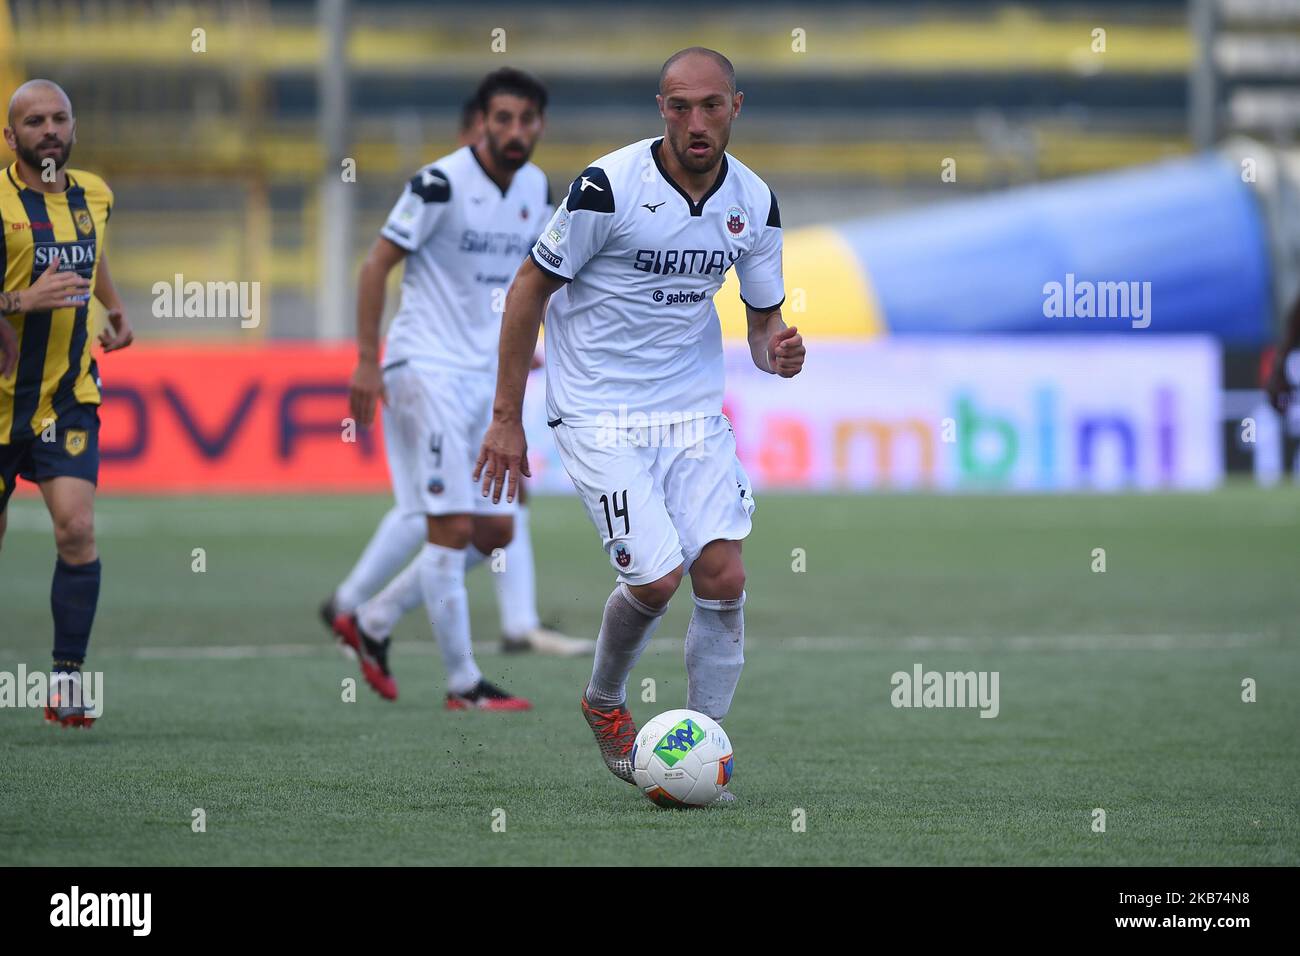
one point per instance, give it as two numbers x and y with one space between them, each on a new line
682 759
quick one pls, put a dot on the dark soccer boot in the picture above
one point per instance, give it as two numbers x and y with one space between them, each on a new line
486 696
370 653
67 705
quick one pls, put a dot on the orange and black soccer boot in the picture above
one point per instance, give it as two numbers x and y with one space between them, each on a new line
615 732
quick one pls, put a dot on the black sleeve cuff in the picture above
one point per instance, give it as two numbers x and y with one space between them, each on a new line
551 272
768 308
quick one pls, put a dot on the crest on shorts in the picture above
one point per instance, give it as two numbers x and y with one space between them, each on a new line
436 487
622 556
85 225
74 441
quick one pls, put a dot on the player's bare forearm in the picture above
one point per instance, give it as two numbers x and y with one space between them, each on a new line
8 347
504 455
774 346
367 386
370 309
762 325
117 334
105 290
525 307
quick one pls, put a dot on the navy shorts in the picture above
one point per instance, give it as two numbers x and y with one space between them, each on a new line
73 452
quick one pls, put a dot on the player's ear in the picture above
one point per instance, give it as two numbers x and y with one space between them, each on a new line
736 100
659 101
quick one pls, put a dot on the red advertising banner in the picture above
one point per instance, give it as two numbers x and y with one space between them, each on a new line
216 418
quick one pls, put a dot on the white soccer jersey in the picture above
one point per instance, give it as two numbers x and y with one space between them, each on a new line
464 240
635 330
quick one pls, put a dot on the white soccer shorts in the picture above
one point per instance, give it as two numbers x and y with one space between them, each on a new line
658 496
434 425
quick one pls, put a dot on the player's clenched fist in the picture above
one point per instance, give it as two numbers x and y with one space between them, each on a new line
117 334
785 352
367 388
504 452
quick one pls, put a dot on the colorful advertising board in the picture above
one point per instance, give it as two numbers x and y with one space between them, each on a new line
953 414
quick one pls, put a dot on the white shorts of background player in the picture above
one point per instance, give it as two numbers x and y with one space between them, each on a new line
434 423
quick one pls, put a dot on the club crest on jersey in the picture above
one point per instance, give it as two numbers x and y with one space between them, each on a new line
74 441
85 225
736 221
622 556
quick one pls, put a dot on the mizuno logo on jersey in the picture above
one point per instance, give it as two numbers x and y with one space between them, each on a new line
588 184
646 205
681 262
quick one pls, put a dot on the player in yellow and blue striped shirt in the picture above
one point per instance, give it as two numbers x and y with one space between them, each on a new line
53 223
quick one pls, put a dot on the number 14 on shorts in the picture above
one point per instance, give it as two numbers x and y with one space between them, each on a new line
619 511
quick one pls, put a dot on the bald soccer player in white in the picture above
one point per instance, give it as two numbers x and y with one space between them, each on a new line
626 272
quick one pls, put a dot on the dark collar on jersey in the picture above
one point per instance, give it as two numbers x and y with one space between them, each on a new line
697 208
473 152
19 185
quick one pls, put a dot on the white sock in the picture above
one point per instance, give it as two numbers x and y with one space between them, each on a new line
516 586
715 654
380 614
442 582
390 547
625 631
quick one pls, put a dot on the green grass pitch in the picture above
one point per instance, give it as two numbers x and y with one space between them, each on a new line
1118 690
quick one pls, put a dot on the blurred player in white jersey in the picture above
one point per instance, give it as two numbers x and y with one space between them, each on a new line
460 226
516 583
635 380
